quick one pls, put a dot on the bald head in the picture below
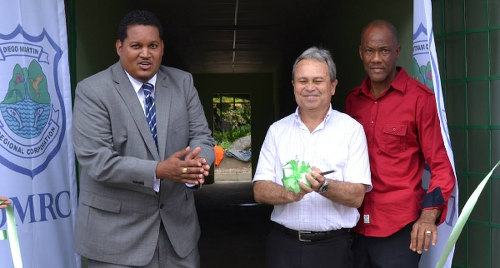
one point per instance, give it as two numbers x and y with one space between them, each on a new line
379 23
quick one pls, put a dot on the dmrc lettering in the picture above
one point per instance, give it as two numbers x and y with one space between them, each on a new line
39 208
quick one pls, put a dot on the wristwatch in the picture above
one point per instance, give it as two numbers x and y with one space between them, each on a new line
323 187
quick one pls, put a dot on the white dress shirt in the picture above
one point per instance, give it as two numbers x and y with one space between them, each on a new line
337 143
137 85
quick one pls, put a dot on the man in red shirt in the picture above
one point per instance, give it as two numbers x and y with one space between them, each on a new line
399 116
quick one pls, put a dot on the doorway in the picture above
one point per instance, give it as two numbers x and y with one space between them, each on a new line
232 132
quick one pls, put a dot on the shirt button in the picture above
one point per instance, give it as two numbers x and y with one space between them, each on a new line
372 122
375 102
161 206
393 129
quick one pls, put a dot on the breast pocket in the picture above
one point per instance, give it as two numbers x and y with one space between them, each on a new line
394 138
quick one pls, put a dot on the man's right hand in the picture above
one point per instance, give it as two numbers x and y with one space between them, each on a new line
272 193
184 166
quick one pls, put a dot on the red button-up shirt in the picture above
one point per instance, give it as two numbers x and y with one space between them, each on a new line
403 132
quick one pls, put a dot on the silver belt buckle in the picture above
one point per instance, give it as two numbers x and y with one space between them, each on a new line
300 236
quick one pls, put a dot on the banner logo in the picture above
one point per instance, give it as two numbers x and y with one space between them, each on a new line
32 118
421 61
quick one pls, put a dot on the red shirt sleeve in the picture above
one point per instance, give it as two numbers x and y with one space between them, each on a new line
442 176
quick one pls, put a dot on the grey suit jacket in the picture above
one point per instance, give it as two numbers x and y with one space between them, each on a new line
119 214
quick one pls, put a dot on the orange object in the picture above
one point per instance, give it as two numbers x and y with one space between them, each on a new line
219 154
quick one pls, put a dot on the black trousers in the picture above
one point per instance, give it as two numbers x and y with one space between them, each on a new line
286 251
387 252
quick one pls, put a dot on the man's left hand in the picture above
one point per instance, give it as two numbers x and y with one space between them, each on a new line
424 230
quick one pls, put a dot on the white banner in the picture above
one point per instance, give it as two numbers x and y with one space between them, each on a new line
37 167
426 70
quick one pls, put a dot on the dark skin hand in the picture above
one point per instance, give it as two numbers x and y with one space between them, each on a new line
184 166
420 236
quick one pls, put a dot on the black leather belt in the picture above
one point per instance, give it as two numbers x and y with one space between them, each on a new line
310 236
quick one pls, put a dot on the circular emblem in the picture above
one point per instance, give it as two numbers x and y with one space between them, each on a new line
32 117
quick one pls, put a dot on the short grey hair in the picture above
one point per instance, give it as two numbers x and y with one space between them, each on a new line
319 54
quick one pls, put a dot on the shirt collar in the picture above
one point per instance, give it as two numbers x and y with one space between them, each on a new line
325 120
399 82
137 85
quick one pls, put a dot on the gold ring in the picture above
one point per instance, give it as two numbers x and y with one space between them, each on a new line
184 170
428 232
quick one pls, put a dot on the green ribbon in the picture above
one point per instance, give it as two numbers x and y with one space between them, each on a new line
11 234
294 171
462 219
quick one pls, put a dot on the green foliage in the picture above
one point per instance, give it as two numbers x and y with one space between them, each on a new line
232 117
224 144
237 116
226 138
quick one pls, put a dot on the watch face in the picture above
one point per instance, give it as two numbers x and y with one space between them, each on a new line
323 187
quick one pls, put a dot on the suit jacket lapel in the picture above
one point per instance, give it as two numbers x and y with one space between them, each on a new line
163 99
124 88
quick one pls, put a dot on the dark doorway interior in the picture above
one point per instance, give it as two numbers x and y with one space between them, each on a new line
234 228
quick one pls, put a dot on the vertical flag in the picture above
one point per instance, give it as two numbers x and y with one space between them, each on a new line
426 70
37 168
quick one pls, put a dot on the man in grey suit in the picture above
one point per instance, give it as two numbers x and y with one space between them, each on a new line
142 141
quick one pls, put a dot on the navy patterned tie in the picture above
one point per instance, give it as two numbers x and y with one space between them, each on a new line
150 108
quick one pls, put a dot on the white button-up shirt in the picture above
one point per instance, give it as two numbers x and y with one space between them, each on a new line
337 143
137 85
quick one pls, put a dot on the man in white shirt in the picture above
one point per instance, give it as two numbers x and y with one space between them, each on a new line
312 227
